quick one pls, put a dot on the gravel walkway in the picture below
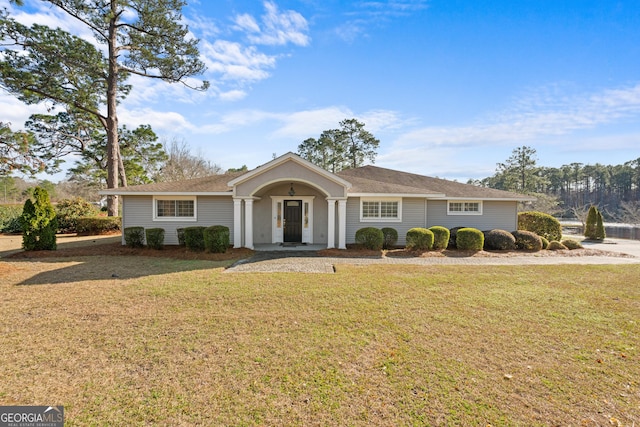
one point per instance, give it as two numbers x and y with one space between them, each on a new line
311 262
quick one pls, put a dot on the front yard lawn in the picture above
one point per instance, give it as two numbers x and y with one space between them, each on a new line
151 341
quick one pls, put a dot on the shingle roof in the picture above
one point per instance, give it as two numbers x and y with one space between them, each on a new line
364 180
373 179
208 184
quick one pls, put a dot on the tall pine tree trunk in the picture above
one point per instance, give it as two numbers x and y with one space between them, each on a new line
113 152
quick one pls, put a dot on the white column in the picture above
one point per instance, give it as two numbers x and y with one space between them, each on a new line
342 224
331 219
248 223
237 223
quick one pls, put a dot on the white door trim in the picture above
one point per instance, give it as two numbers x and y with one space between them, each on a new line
277 232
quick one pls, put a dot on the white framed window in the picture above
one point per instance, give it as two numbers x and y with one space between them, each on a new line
175 208
381 209
464 207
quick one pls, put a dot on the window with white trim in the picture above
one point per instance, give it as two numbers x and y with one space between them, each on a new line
463 207
381 209
177 208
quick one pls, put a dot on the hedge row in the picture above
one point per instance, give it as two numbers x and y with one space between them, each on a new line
212 239
463 238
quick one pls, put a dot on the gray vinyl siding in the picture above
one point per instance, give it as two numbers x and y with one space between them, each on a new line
413 215
137 211
502 215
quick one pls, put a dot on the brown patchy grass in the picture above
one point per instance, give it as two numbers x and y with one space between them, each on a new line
177 342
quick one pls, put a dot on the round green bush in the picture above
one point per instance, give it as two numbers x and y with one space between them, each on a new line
390 237
554 245
572 244
370 238
527 240
10 219
134 237
155 237
420 239
499 240
440 237
453 233
69 211
194 238
470 239
545 242
216 239
544 225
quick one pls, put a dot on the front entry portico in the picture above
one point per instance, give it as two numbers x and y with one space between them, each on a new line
289 200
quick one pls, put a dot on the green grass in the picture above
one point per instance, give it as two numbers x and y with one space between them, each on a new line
183 343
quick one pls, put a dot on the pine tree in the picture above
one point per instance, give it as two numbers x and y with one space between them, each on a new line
600 232
590 226
39 223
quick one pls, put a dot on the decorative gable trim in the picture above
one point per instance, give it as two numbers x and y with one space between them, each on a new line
283 159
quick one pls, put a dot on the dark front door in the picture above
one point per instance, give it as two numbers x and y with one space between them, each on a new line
293 220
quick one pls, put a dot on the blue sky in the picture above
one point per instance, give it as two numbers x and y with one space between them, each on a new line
449 87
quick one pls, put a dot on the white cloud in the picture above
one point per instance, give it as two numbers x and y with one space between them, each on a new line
311 123
169 121
233 95
545 117
535 117
278 28
232 61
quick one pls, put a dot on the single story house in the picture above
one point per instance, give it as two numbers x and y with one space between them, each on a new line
292 200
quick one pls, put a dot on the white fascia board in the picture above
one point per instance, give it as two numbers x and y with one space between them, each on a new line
406 195
163 193
489 199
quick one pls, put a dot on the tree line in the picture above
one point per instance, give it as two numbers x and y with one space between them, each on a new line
571 189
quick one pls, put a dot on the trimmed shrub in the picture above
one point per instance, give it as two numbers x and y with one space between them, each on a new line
216 239
499 240
10 219
370 238
590 225
194 238
155 237
39 224
544 225
572 244
390 237
600 231
420 239
453 234
134 237
554 245
95 225
69 211
180 233
470 239
440 237
545 243
527 240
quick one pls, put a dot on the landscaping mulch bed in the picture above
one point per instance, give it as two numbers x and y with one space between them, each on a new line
117 249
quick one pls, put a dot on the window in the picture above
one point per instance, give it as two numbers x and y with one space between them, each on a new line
464 208
380 210
178 208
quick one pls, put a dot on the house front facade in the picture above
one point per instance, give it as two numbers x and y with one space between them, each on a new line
292 201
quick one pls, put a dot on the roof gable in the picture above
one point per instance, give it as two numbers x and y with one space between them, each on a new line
288 157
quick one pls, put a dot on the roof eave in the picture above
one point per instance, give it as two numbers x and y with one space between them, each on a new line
414 195
164 193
